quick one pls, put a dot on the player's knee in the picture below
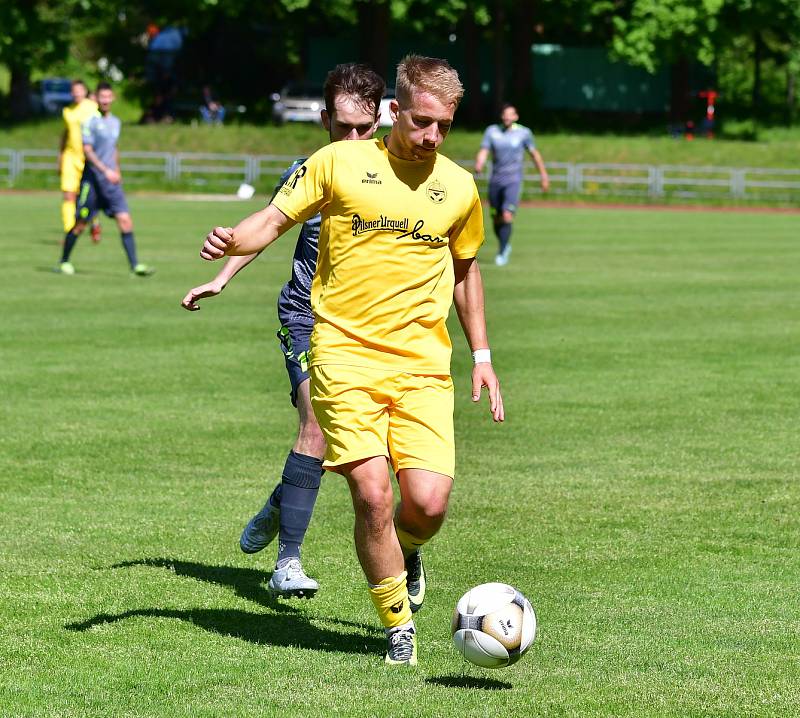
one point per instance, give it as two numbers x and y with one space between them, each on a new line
507 217
125 223
310 439
426 514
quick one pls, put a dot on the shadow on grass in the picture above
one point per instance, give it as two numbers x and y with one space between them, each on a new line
290 627
260 628
484 684
246 582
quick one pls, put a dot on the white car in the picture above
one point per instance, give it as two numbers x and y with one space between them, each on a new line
297 103
386 119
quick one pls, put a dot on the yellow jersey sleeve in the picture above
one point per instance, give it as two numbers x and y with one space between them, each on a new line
467 237
308 188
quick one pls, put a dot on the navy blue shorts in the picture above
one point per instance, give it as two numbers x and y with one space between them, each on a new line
505 197
96 196
294 338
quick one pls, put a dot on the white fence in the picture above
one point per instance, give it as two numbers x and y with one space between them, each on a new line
567 178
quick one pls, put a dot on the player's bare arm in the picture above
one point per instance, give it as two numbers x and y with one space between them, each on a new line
61 147
539 162
110 174
468 299
480 160
251 235
211 289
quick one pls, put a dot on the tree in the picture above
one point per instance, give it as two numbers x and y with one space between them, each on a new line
34 34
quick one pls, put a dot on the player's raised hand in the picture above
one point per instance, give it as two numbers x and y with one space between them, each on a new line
209 289
216 243
483 376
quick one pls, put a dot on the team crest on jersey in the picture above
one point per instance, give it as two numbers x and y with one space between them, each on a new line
437 193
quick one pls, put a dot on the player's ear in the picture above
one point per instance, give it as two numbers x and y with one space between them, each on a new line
326 119
394 109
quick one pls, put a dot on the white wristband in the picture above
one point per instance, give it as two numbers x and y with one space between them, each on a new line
480 356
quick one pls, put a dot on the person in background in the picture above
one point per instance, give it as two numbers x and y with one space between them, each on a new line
70 153
101 184
507 144
212 111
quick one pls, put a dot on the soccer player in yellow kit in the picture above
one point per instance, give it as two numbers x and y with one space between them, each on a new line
71 159
401 227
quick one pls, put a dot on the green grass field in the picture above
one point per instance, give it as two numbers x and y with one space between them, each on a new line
643 492
776 148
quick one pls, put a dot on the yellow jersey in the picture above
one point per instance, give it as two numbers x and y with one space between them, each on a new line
390 228
74 116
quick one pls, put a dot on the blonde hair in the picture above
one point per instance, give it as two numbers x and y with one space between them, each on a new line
427 74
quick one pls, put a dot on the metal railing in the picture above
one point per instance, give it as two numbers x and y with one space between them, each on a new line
566 178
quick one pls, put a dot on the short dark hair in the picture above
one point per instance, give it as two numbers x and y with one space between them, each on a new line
508 106
355 80
103 86
78 81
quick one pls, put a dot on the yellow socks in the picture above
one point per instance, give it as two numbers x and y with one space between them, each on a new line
390 598
408 542
68 215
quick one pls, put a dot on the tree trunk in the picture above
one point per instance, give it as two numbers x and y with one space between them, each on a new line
374 24
499 93
523 32
791 93
758 51
679 92
20 93
472 73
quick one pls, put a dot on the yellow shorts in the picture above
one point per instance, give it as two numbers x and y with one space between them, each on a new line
71 171
369 412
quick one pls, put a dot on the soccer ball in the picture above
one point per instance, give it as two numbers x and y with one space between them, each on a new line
493 625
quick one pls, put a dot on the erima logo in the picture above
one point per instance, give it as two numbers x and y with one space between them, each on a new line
506 627
397 607
372 178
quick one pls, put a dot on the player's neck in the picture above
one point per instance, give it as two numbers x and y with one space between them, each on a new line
396 149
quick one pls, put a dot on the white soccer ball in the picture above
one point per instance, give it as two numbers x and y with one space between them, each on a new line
493 625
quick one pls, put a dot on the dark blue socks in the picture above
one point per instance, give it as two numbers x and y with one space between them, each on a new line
130 248
297 494
503 232
69 245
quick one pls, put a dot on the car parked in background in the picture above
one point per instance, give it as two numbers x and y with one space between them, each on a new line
51 95
386 119
297 103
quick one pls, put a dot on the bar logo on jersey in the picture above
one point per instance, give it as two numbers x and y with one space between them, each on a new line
401 226
437 193
291 183
372 178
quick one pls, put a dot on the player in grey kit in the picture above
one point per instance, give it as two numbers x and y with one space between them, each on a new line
352 104
101 184
507 143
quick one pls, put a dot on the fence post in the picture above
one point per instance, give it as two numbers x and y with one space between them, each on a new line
14 168
655 181
738 184
577 179
250 169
